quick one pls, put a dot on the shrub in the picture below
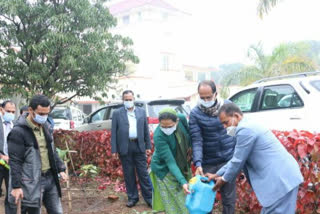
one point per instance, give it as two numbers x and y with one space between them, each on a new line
95 148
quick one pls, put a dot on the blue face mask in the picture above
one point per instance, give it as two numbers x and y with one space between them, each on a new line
40 119
8 117
128 104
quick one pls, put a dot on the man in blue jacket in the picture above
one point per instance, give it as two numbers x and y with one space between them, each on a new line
272 172
212 146
130 138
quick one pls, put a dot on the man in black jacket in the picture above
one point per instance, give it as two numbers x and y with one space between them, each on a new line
34 163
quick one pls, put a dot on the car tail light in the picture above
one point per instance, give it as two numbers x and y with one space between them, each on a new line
71 124
153 120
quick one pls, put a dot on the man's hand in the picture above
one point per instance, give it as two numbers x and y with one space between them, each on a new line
17 194
211 177
185 188
148 151
5 158
199 171
64 176
219 183
115 155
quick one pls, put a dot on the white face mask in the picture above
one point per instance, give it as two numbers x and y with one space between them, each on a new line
168 131
128 104
231 130
207 104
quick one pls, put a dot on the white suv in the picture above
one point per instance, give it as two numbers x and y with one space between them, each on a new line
284 102
67 117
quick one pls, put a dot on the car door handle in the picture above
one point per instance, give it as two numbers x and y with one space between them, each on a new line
99 125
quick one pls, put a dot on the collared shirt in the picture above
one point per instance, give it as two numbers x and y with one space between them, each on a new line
38 132
132 124
7 127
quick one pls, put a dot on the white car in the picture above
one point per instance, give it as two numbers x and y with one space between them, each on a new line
284 102
67 117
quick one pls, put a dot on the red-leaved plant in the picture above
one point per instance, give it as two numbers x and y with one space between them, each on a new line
94 147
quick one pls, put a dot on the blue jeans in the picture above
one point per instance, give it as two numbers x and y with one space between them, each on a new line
50 198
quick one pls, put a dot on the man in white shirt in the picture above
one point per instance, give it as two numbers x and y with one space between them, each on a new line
7 115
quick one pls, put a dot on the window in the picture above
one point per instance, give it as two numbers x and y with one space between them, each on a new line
112 111
98 116
280 96
316 84
61 113
139 16
126 20
245 99
155 109
80 116
201 76
165 63
87 108
188 75
74 115
165 16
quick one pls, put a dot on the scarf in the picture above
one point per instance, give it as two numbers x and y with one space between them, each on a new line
213 110
183 144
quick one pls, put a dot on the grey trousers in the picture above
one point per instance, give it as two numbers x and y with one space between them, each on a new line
228 191
285 205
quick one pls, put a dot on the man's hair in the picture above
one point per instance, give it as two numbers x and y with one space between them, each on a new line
39 100
23 108
209 83
127 92
229 109
3 105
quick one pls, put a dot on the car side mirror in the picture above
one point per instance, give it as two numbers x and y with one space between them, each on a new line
86 120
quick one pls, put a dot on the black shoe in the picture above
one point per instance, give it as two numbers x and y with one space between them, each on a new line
131 203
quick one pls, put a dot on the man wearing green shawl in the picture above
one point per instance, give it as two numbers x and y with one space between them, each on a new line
170 165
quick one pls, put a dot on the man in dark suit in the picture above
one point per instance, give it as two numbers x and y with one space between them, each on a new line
130 138
7 115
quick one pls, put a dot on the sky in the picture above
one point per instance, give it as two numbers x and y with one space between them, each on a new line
221 31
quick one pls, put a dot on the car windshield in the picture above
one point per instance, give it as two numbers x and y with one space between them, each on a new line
61 114
155 109
316 84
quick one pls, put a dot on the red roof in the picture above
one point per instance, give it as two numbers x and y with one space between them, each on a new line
126 5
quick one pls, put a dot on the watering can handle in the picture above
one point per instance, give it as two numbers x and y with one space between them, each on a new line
204 179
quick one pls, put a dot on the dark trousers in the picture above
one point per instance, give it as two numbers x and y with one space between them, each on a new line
50 198
135 161
228 191
4 175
